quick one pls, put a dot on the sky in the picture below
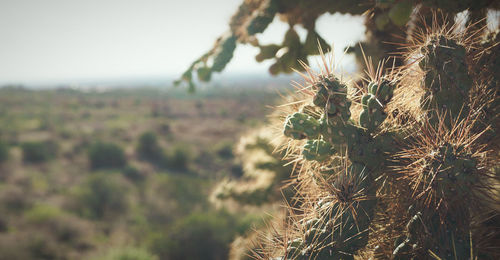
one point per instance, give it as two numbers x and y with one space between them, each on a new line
63 40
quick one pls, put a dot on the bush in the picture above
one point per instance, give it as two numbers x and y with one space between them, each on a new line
129 253
237 170
36 152
4 152
198 236
179 158
149 149
132 173
42 213
101 196
165 128
62 227
4 225
225 150
173 196
106 155
30 245
14 199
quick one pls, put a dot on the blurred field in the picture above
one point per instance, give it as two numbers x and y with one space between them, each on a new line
121 173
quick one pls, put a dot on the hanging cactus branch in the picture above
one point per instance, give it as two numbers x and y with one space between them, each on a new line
385 21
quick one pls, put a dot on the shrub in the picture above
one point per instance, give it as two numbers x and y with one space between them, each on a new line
179 158
63 227
4 152
165 128
172 196
132 173
14 199
198 236
128 253
106 155
149 149
30 245
4 225
237 170
101 196
42 213
225 150
36 152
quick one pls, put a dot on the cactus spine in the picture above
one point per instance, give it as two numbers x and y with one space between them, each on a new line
406 166
413 191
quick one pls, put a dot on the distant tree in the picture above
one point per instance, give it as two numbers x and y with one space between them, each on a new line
178 158
106 155
128 253
4 152
36 152
198 236
149 149
101 196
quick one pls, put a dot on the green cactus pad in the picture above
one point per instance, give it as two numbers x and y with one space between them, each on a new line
204 74
267 52
299 126
383 91
224 53
317 150
453 170
311 43
292 39
321 97
263 17
365 98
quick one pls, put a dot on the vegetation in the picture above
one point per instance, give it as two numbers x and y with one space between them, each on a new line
178 158
128 253
401 163
210 232
101 197
133 173
106 155
262 174
4 152
149 149
36 152
65 208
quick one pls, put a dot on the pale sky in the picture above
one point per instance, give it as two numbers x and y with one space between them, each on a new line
60 40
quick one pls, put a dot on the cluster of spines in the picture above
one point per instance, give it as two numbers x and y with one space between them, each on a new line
448 168
343 222
443 161
342 218
447 81
374 103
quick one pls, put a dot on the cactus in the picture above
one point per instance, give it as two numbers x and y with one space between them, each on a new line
317 150
344 215
403 163
371 185
386 21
